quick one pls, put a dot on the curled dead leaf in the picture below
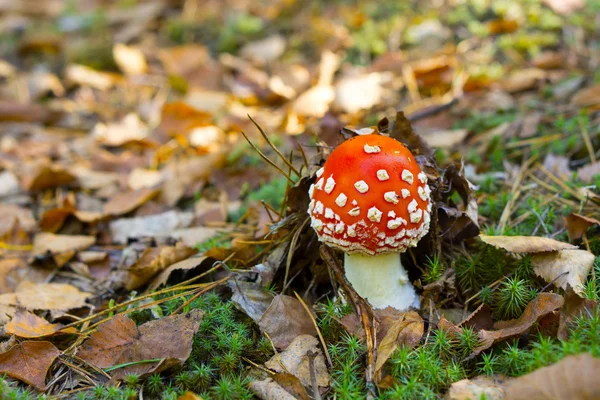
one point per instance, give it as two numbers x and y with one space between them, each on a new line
526 244
542 305
578 224
564 268
406 330
60 247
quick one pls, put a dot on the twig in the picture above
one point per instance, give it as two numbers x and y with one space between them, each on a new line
290 254
314 321
264 157
363 309
313 375
275 149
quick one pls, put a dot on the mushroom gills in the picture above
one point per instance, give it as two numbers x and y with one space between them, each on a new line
382 280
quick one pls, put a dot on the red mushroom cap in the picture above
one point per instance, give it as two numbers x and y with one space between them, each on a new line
370 197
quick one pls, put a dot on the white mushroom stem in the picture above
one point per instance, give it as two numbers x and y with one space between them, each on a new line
382 280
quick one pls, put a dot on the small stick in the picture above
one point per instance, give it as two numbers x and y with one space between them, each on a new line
314 321
313 375
275 149
264 157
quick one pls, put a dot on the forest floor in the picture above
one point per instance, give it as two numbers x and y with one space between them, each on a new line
155 163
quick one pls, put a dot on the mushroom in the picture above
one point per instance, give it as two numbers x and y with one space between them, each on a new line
371 200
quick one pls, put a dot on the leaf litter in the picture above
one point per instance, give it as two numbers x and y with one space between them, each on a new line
129 195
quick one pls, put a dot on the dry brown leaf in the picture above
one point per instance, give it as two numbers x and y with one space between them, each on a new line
41 176
130 59
158 225
564 268
573 308
588 96
180 176
250 297
407 329
477 388
29 362
85 76
526 244
28 325
49 296
181 266
20 112
295 360
119 341
314 102
522 80
151 262
542 305
285 319
125 202
10 214
292 385
268 389
129 129
61 247
578 224
574 377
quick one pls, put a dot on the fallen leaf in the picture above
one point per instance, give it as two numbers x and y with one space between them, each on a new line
268 389
50 296
264 51
115 134
542 305
578 224
85 76
285 319
529 125
182 267
478 388
292 385
573 377
152 261
250 298
407 329
130 59
314 102
522 80
574 307
9 214
586 97
119 341
141 178
41 176
479 319
60 247
558 165
564 268
158 225
125 202
28 325
295 360
526 244
29 362
25 112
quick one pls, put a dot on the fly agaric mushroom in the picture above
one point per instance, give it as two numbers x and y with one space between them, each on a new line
371 200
